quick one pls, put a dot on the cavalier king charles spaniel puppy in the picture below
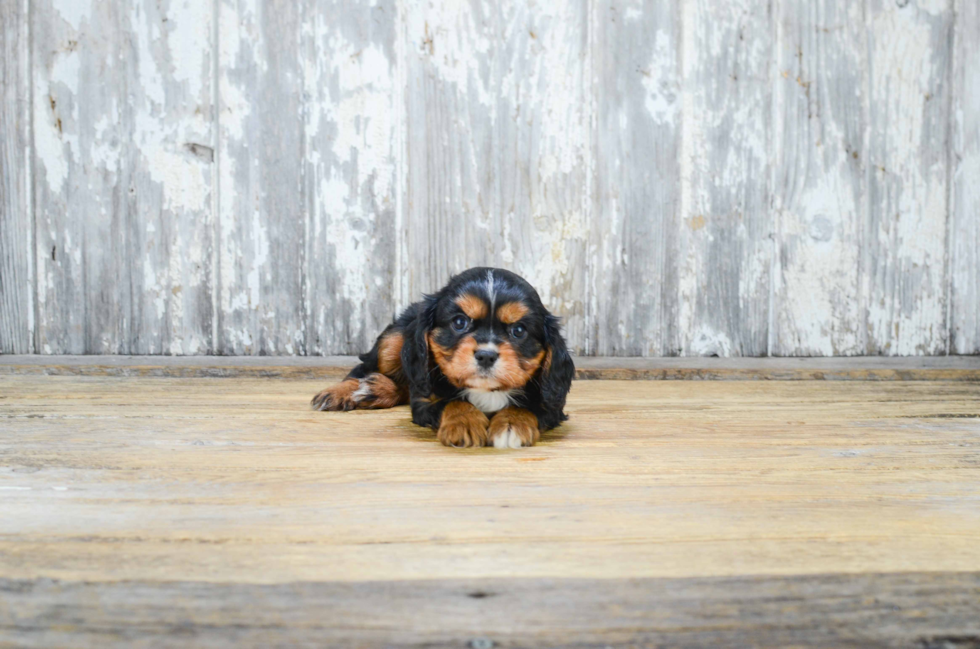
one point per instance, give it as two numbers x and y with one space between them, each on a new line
482 362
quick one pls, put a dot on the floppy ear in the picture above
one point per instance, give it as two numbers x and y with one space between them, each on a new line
557 371
415 350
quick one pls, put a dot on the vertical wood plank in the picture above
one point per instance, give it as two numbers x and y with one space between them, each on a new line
542 148
122 138
449 115
498 147
904 255
724 247
349 172
262 213
637 73
307 175
965 206
16 214
819 191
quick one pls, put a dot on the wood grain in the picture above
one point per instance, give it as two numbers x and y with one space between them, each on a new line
308 176
236 480
542 153
497 147
965 198
819 191
904 252
349 183
702 178
448 205
261 138
635 227
724 245
123 152
16 209
168 511
929 610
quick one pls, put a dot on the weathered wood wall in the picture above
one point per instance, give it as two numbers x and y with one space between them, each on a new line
696 177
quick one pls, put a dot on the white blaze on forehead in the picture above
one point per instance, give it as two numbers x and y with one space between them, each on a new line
491 293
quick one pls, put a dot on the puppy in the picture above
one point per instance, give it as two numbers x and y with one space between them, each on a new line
482 362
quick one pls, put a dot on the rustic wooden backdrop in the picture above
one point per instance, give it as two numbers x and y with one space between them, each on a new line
731 177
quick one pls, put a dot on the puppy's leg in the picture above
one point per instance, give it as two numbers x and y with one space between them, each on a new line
513 428
462 425
378 391
378 382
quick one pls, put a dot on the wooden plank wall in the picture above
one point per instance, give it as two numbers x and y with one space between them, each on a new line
965 169
123 155
696 177
16 227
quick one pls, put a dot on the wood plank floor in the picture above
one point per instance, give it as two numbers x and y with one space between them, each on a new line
223 512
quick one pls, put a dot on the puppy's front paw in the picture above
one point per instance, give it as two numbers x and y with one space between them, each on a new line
337 397
514 428
463 425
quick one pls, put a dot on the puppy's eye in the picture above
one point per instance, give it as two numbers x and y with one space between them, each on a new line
460 323
518 331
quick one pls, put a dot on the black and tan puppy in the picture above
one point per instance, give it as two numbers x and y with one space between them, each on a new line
482 362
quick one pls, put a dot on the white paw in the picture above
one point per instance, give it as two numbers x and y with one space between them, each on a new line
507 439
362 392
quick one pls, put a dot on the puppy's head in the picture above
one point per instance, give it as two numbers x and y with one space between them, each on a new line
488 330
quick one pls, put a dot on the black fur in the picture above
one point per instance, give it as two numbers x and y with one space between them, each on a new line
429 390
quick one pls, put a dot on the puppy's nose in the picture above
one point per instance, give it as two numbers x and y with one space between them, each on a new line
486 358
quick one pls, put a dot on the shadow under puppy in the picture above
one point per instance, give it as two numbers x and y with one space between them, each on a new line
482 362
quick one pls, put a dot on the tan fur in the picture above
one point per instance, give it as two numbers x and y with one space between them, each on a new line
519 420
462 425
472 306
511 312
382 393
337 397
514 371
456 364
390 353
546 365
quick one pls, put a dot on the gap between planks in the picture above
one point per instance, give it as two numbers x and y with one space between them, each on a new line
863 368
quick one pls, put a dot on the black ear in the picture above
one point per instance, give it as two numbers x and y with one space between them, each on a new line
556 374
415 350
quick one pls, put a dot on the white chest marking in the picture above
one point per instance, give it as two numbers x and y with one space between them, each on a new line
488 401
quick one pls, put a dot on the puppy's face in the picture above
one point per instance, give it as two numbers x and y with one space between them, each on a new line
489 334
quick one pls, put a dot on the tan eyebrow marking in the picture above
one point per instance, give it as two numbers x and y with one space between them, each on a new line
472 306
511 312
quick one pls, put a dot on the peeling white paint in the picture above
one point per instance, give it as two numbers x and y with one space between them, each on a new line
708 342
934 7
907 310
349 126
482 141
74 12
56 141
451 39
189 25
723 158
659 80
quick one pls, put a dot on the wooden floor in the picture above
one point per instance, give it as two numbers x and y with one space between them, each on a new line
222 512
